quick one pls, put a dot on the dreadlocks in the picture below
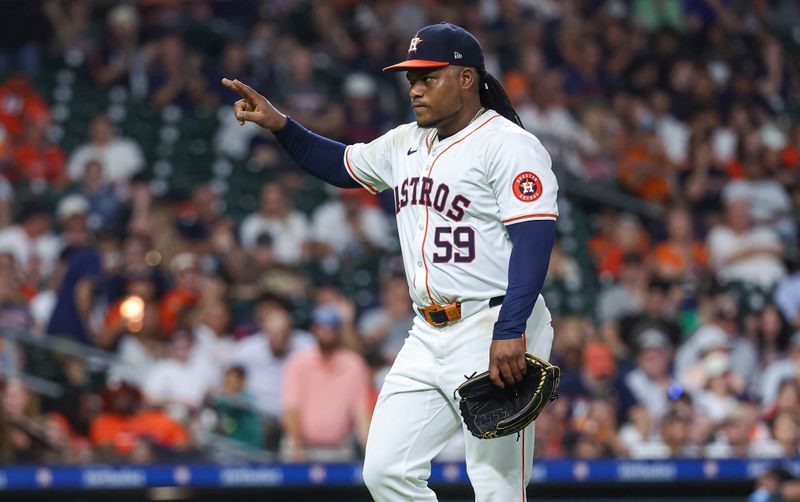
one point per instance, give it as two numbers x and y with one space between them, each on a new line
494 96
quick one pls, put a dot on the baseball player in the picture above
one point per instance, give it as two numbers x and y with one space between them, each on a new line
475 201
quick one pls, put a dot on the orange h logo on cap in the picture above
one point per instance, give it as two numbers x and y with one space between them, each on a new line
414 42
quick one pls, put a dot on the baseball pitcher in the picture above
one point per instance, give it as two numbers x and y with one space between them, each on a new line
475 201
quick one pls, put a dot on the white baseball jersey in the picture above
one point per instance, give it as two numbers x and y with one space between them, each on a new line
453 203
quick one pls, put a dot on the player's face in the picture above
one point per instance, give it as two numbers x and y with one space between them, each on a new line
435 95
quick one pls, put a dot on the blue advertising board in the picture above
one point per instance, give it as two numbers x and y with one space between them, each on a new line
348 474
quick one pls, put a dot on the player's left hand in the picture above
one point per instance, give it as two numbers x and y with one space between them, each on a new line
507 361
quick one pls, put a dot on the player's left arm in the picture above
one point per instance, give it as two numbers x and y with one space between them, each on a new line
520 174
530 257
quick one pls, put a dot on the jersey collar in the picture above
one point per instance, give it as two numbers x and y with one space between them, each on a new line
486 116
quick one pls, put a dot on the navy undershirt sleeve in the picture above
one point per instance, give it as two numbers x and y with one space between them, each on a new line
530 257
320 156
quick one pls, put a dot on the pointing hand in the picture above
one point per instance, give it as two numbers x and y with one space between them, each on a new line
253 107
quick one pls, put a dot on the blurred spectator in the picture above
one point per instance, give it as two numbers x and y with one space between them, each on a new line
6 195
104 206
772 335
183 295
118 58
304 97
119 157
179 382
15 319
349 228
325 395
717 396
288 228
71 22
650 380
773 377
741 251
627 294
775 482
787 399
722 337
128 430
597 425
659 311
236 415
249 270
263 357
770 204
232 64
20 105
784 438
34 248
175 77
72 213
36 159
206 205
732 439
139 348
547 116
787 298
703 179
22 424
329 294
674 437
212 340
680 255
598 378
385 328
618 237
365 120
78 404
65 448
644 168
72 312
131 259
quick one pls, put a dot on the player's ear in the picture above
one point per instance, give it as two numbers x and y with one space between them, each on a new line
467 77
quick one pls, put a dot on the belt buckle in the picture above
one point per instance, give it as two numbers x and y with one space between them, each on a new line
440 316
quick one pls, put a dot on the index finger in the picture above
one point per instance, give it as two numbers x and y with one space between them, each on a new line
248 91
241 88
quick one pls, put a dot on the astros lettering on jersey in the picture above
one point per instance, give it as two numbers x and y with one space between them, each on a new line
453 198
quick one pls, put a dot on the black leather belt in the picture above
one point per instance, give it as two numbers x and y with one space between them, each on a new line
497 300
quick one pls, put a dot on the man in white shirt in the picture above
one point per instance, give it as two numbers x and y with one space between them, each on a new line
263 355
347 227
741 251
288 227
180 382
212 343
770 204
121 158
30 242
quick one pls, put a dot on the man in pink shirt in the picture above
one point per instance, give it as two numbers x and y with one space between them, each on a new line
325 395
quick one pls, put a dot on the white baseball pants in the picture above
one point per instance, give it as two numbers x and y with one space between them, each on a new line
417 414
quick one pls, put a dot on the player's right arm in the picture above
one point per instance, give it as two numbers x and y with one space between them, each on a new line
326 159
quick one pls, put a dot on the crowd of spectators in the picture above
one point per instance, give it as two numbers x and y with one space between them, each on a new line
203 335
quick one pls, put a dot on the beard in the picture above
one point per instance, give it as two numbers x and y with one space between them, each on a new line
436 122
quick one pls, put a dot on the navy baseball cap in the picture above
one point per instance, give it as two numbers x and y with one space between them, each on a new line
441 45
